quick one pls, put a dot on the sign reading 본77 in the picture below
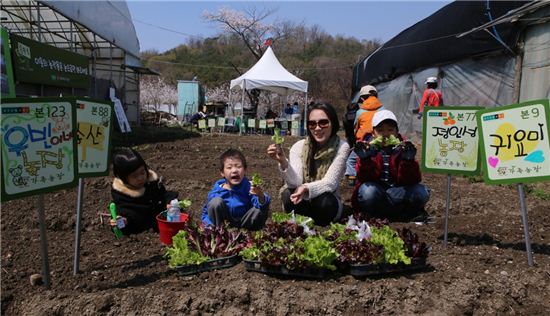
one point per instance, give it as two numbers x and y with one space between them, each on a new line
38 146
451 140
515 143
95 123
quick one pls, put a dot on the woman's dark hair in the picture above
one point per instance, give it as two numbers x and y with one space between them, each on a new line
330 111
232 153
127 161
432 85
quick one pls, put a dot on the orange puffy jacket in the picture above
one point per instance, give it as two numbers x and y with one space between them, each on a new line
364 116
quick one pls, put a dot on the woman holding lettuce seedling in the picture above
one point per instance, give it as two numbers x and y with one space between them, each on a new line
314 168
388 175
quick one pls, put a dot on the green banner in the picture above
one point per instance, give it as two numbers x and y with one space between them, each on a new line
8 86
38 146
36 62
515 142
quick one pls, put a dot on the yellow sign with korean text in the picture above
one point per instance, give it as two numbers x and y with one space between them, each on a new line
450 142
38 146
94 129
515 142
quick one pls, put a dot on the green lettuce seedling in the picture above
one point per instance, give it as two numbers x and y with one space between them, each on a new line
276 138
184 204
257 180
381 141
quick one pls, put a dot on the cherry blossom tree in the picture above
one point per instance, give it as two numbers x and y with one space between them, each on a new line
155 91
256 35
248 25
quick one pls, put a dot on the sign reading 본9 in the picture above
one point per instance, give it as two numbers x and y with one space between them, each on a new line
94 126
515 143
451 140
38 146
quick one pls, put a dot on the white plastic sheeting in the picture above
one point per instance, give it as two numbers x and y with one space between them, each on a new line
535 70
486 82
109 19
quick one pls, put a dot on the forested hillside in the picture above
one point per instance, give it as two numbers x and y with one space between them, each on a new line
323 60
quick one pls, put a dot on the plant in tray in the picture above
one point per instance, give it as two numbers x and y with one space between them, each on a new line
357 242
414 248
201 243
181 254
288 241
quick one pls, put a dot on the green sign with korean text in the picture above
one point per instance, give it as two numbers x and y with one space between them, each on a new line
94 129
450 142
38 146
202 124
8 84
515 142
36 62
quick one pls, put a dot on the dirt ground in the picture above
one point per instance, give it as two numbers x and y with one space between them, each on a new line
483 270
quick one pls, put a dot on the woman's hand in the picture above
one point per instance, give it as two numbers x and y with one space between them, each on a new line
277 153
299 194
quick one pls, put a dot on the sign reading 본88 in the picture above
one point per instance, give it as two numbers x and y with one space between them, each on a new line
515 143
38 146
95 124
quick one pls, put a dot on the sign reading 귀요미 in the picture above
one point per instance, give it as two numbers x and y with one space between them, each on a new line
38 146
515 143
450 140
94 127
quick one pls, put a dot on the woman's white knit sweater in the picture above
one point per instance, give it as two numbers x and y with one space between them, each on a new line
293 175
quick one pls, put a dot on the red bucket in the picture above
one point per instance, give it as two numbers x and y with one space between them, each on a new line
168 229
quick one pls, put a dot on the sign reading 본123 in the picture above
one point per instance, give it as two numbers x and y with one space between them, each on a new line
38 146
515 143
450 140
94 127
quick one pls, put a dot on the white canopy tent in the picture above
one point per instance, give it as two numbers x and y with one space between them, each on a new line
269 74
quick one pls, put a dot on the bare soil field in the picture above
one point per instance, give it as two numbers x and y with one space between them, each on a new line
483 269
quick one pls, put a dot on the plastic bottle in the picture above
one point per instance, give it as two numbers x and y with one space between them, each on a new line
174 212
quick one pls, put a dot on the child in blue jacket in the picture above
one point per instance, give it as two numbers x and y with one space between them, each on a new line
233 198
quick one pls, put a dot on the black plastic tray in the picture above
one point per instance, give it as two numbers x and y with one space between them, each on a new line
213 264
306 273
362 270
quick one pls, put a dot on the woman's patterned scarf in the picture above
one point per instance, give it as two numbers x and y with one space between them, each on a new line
316 161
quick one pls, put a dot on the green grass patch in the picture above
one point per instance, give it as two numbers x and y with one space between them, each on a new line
474 179
537 192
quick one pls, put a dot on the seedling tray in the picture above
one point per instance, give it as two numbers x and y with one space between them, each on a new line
213 264
281 270
363 270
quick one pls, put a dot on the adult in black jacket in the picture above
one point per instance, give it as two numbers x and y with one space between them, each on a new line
349 121
138 193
